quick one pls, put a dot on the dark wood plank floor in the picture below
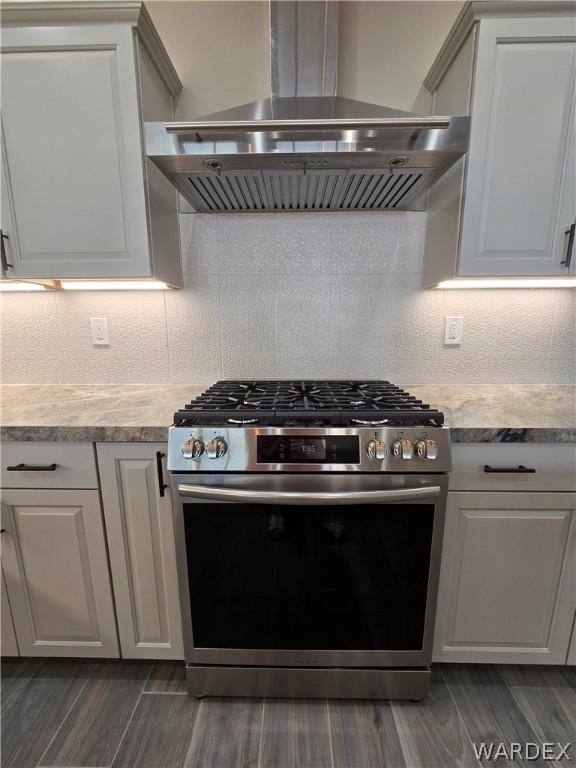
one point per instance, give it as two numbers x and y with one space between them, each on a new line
87 714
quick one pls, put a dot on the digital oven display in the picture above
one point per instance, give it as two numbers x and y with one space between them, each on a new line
296 449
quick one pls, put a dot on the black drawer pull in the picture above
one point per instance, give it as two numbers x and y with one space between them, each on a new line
519 470
161 484
32 468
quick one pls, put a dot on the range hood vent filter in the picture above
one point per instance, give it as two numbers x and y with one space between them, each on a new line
305 190
306 148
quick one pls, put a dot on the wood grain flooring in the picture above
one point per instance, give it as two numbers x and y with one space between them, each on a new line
87 714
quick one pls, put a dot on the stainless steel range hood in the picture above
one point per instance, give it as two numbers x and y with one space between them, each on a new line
302 152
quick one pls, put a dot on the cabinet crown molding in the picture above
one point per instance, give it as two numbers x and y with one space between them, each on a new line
133 12
473 11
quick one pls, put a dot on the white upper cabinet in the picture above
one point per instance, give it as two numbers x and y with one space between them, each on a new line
75 175
507 211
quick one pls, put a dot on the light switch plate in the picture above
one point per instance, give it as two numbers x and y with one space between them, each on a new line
99 331
453 331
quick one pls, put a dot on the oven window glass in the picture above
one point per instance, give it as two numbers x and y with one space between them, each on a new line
341 578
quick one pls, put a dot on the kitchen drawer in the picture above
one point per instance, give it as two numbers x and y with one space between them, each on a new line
75 465
555 466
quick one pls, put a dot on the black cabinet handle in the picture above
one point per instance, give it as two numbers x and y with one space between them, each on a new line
519 470
5 264
570 246
32 468
2 530
161 484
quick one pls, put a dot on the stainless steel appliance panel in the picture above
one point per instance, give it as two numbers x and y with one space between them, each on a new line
398 449
431 492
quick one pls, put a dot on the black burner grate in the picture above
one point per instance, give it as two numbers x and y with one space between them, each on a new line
307 403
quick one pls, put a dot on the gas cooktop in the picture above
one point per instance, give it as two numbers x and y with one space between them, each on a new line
289 403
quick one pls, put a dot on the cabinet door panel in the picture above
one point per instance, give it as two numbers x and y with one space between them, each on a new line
73 146
508 578
521 113
8 642
142 556
567 207
54 559
8 220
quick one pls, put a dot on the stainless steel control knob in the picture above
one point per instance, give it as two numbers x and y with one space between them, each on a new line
426 449
376 450
216 448
193 448
402 449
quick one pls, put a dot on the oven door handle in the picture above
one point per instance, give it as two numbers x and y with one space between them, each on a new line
208 493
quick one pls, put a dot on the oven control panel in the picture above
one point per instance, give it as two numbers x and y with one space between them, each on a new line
292 449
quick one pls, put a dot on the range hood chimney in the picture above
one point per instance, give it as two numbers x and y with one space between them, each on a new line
305 148
304 47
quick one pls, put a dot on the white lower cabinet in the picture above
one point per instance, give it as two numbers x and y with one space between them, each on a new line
508 579
142 552
56 569
8 642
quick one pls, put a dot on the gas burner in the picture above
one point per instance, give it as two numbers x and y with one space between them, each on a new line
302 403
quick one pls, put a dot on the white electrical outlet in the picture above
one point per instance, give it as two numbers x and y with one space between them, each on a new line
454 331
99 331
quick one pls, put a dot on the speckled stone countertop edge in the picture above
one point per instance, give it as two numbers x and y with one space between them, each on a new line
509 435
143 413
156 434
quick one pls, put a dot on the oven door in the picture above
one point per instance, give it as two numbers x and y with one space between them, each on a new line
309 570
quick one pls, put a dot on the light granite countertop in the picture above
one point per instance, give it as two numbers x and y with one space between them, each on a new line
143 412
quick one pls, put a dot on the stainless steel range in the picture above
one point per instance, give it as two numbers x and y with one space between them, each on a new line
309 518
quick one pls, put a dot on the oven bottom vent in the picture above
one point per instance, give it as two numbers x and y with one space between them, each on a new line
306 189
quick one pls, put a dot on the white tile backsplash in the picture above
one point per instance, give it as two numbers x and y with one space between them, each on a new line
248 326
561 363
193 325
303 294
359 330
303 326
30 343
137 330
